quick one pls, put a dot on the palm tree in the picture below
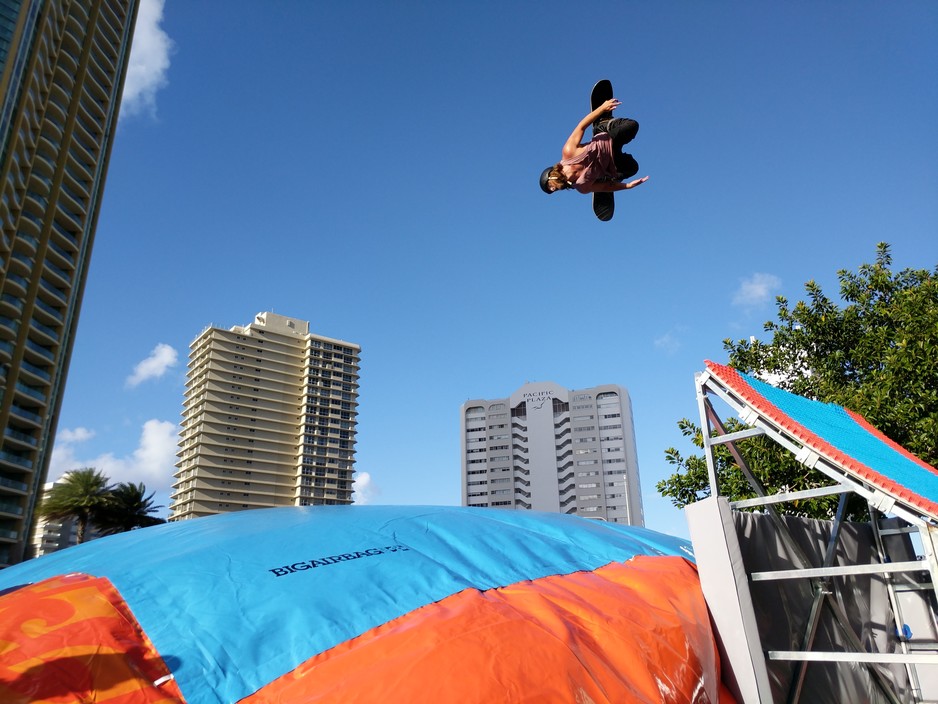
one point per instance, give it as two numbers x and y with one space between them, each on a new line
127 507
80 494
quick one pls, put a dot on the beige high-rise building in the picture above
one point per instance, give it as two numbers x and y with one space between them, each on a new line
62 68
547 448
269 419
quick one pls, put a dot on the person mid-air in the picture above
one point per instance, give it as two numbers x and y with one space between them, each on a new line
598 166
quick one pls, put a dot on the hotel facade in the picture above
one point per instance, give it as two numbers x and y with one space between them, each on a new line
547 448
269 419
62 68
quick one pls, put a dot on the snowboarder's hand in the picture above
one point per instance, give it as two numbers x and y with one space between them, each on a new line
610 105
636 182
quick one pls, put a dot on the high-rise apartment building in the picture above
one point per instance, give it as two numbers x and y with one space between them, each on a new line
269 419
51 535
62 67
548 448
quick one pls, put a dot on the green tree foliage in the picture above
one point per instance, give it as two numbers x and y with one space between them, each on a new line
875 352
127 507
87 496
81 494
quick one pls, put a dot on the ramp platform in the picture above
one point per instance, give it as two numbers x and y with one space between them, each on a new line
818 610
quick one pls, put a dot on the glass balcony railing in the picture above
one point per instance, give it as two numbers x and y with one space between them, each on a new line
10 484
33 392
39 349
36 371
55 313
27 415
45 329
12 300
9 507
22 437
18 460
62 252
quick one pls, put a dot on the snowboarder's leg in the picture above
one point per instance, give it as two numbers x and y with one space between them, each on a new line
622 130
625 165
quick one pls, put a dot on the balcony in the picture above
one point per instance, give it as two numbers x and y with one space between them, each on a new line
32 392
37 372
25 415
21 439
16 486
15 303
10 508
18 460
51 335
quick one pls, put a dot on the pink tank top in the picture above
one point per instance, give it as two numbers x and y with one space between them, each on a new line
597 158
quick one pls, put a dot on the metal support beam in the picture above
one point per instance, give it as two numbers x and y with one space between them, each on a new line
868 658
792 496
845 571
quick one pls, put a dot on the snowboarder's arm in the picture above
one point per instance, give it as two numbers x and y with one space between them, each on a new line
606 186
574 144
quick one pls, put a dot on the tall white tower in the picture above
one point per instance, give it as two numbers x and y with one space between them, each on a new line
548 448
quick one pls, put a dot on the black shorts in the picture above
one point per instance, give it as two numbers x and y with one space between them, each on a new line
622 130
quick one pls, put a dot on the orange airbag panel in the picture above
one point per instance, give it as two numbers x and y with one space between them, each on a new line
72 639
627 632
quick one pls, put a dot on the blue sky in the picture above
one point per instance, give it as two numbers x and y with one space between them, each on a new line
372 168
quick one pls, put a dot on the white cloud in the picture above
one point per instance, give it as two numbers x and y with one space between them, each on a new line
149 61
757 290
161 358
363 489
668 343
152 462
69 435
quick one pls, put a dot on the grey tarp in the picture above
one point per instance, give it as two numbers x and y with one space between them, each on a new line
782 608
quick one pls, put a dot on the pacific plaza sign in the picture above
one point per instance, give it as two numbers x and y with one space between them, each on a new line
536 399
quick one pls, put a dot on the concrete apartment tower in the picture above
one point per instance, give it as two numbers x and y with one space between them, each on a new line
548 448
62 67
268 419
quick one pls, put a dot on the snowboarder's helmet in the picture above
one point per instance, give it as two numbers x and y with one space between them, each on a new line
545 177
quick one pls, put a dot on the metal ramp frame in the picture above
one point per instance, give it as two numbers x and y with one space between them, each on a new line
882 479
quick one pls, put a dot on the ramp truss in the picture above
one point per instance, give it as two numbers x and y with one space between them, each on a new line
858 461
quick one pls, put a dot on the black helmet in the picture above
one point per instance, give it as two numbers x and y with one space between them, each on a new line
544 178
